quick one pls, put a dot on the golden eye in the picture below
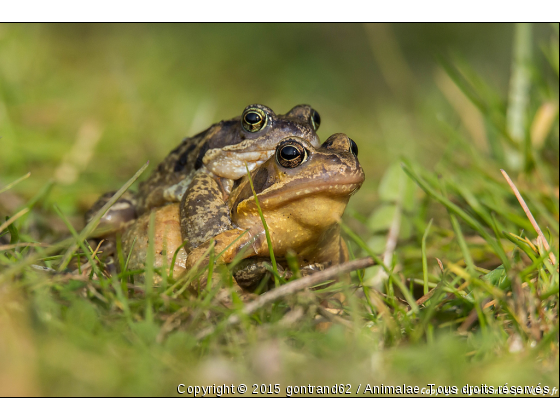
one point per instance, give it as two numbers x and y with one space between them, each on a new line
254 119
315 120
290 154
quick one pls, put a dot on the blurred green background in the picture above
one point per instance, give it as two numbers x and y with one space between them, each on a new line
94 102
86 105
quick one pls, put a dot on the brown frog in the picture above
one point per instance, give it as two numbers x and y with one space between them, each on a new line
221 151
302 190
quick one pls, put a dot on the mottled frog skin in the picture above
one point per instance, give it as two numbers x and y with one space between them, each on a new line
303 191
223 151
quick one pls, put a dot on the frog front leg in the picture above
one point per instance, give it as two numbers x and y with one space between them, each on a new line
205 219
204 212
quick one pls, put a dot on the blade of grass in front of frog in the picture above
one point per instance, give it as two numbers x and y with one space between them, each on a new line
210 267
174 259
262 284
81 244
13 183
149 272
122 297
361 280
425 258
95 220
293 263
457 211
129 254
208 301
267 233
164 273
194 273
120 255
123 275
239 256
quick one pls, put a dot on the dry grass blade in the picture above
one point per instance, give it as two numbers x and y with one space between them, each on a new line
530 216
294 287
13 218
334 318
23 244
17 181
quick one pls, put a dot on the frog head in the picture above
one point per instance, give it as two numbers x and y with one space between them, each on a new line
302 190
252 138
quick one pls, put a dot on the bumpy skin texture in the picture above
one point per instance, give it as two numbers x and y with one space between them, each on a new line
167 241
222 150
204 211
302 206
118 216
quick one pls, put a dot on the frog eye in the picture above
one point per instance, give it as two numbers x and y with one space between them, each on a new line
315 120
254 119
353 147
291 154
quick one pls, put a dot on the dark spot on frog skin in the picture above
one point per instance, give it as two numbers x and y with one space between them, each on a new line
178 148
261 181
236 183
182 161
203 150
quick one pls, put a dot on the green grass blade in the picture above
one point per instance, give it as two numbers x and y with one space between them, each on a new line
425 258
459 212
266 231
90 227
13 183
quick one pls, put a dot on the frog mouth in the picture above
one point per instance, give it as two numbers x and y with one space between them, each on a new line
334 188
